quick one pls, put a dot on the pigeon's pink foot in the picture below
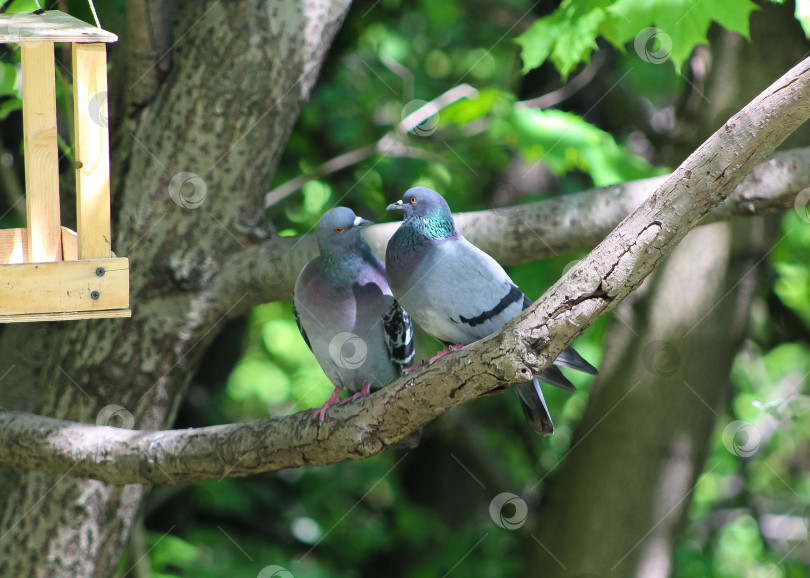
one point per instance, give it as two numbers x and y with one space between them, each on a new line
439 355
408 370
333 399
362 393
444 352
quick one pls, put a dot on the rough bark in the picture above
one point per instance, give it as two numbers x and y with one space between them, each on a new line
268 54
524 346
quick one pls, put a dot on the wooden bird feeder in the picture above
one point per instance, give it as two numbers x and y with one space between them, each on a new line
48 272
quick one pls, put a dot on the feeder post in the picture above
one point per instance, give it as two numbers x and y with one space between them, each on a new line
41 152
92 150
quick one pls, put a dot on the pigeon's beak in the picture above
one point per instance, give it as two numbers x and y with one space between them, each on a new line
395 206
361 222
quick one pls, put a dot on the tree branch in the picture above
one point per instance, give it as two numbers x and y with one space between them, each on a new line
149 46
524 346
524 233
565 92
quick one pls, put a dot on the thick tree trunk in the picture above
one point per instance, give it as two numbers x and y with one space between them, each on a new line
618 502
177 237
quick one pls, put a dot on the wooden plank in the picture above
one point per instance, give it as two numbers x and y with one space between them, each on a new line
13 246
92 148
66 286
52 26
70 245
41 152
68 316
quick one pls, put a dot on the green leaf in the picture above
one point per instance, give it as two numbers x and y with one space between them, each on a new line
466 110
792 284
565 142
9 106
316 194
659 29
802 14
258 379
567 36
169 551
682 25
8 78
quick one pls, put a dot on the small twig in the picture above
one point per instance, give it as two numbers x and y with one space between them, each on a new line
403 72
429 109
388 145
383 146
137 546
575 85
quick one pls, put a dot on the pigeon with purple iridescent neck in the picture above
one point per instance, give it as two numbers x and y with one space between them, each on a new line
459 294
346 313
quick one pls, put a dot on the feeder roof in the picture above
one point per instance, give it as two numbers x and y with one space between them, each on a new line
50 26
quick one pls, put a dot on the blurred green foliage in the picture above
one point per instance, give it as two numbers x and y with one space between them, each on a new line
564 142
381 71
277 372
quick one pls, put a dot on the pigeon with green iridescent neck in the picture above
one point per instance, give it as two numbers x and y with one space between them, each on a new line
346 313
458 293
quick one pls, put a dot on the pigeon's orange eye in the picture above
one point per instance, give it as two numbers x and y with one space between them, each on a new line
412 200
338 229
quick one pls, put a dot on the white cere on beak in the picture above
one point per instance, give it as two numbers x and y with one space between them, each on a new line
358 221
